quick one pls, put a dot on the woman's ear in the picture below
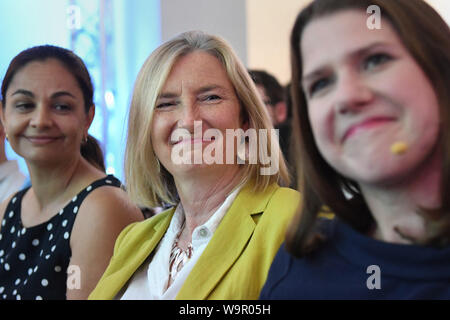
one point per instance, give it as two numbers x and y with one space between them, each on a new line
1 111
245 125
2 117
90 117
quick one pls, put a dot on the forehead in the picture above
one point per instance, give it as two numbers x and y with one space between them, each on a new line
44 76
332 37
195 69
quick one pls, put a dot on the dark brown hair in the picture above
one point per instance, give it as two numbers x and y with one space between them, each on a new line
90 149
273 88
427 37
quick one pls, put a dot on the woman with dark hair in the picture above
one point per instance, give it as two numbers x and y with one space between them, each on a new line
57 236
371 109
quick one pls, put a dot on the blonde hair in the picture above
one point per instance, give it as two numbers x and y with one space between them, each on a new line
148 183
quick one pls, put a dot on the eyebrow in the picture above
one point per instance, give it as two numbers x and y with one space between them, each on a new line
353 54
208 88
62 94
31 94
24 92
170 95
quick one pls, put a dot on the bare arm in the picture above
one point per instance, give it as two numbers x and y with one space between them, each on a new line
102 216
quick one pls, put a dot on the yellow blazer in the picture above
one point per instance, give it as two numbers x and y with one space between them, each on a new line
235 263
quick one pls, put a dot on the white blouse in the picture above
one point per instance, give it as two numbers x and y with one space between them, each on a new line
149 282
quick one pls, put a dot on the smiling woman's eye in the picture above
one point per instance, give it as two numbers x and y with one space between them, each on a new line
163 105
211 98
61 107
24 106
375 60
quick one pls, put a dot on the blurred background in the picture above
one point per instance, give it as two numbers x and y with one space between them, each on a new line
114 37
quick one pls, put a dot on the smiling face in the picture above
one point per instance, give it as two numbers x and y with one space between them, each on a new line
365 92
44 115
197 89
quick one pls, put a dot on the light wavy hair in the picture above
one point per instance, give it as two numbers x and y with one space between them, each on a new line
149 184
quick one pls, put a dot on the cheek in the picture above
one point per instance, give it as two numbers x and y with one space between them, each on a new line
232 117
414 92
14 125
321 123
318 122
160 131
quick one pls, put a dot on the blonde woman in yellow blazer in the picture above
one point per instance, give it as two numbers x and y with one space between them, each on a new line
230 213
236 261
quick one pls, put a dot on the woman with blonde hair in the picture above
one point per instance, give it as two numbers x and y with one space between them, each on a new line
230 214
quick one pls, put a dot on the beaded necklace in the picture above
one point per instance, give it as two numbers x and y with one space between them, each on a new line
178 257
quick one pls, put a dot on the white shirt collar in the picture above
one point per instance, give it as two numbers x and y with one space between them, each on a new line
150 280
204 232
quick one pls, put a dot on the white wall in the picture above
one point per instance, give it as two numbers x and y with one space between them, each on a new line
225 18
269 24
443 7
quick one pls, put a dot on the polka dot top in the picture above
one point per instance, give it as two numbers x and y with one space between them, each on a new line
34 261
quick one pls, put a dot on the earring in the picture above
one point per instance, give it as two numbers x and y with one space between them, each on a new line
7 137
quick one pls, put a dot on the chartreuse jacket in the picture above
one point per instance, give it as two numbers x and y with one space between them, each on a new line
235 263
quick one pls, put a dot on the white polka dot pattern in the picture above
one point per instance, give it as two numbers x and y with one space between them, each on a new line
34 260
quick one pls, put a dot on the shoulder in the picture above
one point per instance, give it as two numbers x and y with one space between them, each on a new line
279 271
283 202
109 202
106 210
285 196
4 205
138 232
282 261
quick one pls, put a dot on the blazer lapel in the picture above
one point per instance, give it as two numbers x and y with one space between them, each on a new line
137 250
226 245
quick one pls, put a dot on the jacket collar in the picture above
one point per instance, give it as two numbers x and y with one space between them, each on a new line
227 244
223 250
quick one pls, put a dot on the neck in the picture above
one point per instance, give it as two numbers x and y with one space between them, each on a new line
51 183
396 208
201 196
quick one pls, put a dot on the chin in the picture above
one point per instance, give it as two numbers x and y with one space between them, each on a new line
380 176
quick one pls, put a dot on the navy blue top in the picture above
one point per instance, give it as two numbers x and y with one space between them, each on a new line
353 266
34 261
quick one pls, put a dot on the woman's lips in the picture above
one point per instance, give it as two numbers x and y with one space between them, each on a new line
41 140
192 141
366 124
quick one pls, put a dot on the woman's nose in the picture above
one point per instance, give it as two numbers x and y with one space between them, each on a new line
189 116
41 117
352 93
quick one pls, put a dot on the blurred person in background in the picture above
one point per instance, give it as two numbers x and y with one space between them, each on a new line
276 97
